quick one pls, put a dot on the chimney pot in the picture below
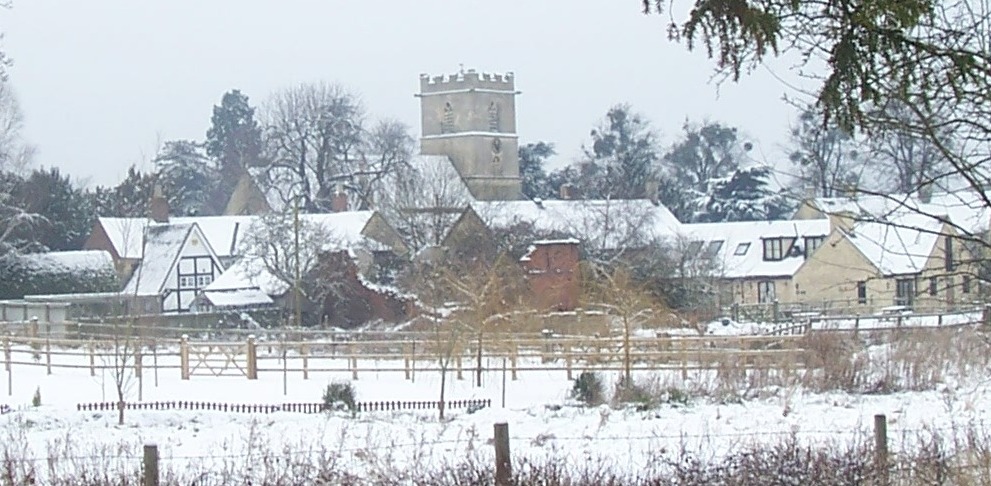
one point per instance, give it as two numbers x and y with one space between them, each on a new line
158 207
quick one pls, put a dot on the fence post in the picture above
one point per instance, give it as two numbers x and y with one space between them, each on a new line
252 352
150 465
184 356
503 466
881 448
412 369
304 352
7 363
137 371
776 307
986 315
457 364
567 359
736 312
354 363
478 371
92 358
512 360
406 369
48 349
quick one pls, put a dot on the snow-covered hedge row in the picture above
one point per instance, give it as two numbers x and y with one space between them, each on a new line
57 273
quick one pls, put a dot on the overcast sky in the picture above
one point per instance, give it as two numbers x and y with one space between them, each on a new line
102 81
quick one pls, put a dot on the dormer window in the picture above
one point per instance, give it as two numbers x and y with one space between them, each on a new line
812 243
712 249
694 247
741 249
774 249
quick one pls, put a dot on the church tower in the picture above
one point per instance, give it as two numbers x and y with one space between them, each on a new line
471 118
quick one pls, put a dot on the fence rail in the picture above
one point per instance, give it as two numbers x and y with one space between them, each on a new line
307 408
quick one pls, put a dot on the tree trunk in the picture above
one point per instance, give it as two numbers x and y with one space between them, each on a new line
443 381
120 412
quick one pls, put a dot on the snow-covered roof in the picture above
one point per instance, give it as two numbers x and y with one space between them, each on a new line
965 209
163 244
69 262
226 232
246 274
237 298
605 224
901 245
737 248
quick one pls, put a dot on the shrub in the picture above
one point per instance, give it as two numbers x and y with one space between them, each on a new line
339 396
36 399
588 389
633 393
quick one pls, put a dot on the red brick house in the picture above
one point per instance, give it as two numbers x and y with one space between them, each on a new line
551 271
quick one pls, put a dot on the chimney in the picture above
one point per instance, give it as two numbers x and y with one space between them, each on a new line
339 201
158 207
651 188
567 191
925 193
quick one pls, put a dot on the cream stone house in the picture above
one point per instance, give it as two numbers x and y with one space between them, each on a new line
910 260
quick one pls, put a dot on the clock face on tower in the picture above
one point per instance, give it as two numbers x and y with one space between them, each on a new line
496 146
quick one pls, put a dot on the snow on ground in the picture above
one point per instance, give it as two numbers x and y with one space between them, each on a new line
542 420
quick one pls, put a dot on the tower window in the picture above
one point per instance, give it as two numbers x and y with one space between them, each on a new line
493 117
447 123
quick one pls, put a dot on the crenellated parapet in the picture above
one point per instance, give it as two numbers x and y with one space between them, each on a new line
466 80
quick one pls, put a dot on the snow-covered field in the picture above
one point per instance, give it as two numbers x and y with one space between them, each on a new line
543 421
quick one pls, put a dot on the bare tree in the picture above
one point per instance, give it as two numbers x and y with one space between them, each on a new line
15 156
422 200
827 157
900 146
317 142
296 253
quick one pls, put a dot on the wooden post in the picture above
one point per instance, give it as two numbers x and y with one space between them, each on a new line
412 370
986 315
567 359
406 369
776 307
10 369
154 359
478 370
252 353
184 356
92 359
150 465
137 371
881 448
512 361
457 365
503 474
304 352
48 354
354 368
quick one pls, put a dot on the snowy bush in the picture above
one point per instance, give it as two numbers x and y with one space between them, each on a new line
339 396
36 399
588 389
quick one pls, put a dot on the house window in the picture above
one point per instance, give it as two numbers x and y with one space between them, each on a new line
694 247
774 249
741 249
965 287
862 292
904 292
712 249
948 254
933 285
812 243
765 291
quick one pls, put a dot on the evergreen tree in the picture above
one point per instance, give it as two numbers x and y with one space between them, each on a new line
706 154
535 181
129 199
622 158
744 196
188 178
234 137
67 211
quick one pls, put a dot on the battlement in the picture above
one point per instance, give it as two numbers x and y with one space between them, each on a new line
469 79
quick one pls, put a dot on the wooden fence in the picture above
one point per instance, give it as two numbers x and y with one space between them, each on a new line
309 408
